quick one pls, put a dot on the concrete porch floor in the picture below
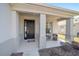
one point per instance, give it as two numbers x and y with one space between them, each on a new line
31 48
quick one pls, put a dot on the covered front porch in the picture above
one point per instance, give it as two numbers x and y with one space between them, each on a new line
31 46
41 30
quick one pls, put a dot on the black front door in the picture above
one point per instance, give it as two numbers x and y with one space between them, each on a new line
29 29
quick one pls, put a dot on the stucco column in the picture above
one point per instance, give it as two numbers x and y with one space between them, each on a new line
55 27
15 28
42 38
51 27
15 24
69 29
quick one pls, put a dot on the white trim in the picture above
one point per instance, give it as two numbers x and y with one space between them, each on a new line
59 8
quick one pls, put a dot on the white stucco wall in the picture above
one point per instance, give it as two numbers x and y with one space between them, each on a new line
54 22
8 43
8 25
36 17
5 21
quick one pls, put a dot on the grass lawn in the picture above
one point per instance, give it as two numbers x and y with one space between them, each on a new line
62 37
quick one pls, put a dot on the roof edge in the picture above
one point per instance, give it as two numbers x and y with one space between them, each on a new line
56 7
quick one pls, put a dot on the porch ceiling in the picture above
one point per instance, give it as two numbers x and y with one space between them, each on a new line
41 8
53 17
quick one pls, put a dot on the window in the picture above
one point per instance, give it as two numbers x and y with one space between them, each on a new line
49 28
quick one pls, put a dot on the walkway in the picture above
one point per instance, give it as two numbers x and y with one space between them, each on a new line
31 49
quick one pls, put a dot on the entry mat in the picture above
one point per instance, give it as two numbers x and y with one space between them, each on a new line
17 54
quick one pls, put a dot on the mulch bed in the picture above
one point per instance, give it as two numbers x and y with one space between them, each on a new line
65 50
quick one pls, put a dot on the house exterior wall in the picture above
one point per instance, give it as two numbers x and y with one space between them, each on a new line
54 23
8 26
8 43
36 17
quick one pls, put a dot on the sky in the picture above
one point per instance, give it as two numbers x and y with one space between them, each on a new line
72 6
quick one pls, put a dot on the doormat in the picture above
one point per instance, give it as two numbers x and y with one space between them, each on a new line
30 40
17 54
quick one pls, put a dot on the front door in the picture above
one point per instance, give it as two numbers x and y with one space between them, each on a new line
29 29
